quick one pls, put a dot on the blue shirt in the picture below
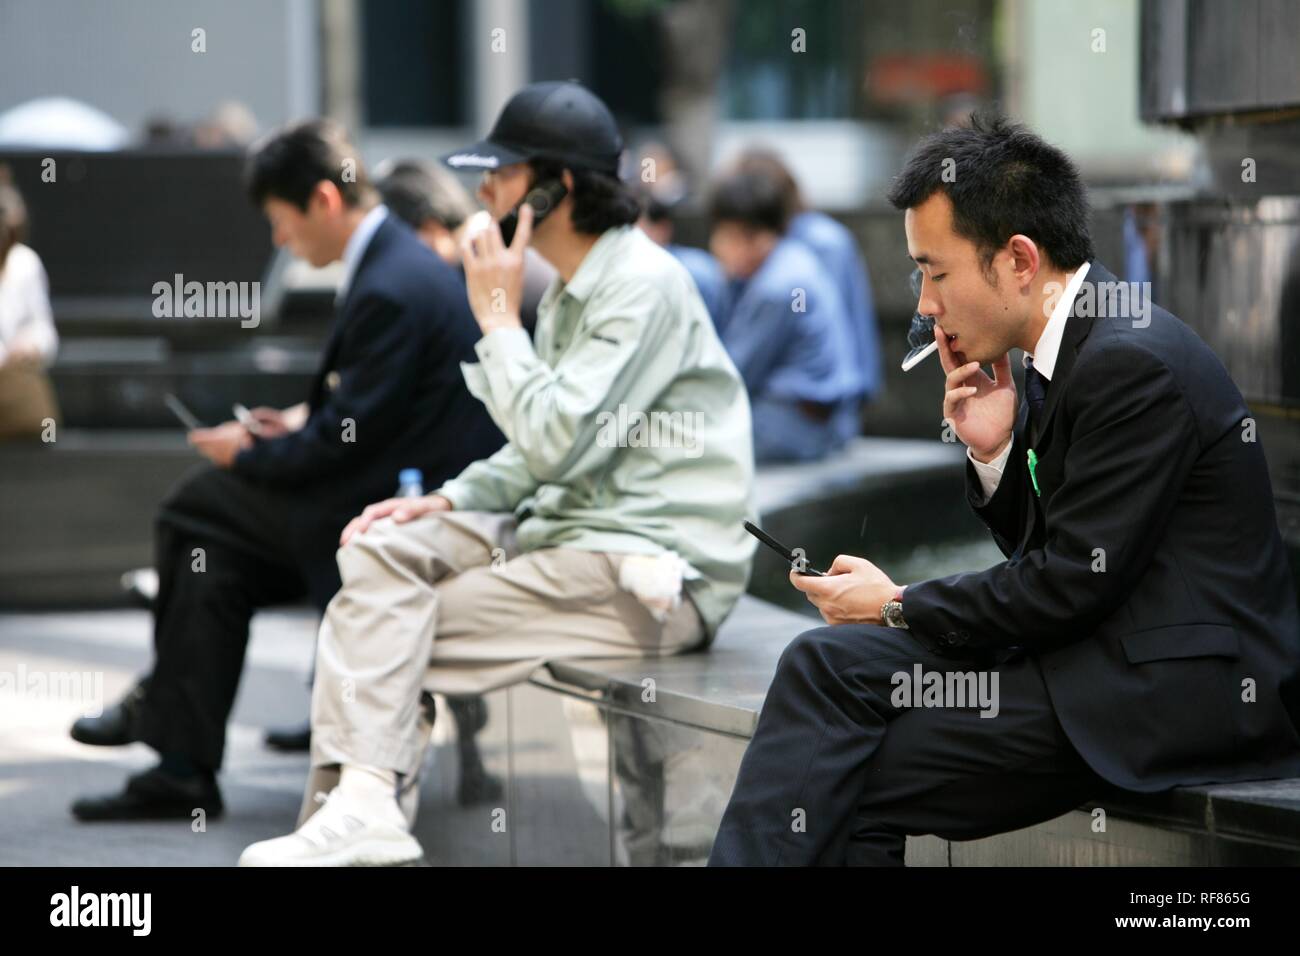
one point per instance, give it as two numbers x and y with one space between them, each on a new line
786 331
837 250
709 279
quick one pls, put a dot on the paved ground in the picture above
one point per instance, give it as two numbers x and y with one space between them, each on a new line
42 769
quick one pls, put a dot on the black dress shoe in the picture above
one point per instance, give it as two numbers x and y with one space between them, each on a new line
290 739
155 795
477 785
116 726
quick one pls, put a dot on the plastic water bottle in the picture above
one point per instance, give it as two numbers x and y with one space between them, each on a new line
410 483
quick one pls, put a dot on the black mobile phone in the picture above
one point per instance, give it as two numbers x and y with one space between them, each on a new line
543 197
782 550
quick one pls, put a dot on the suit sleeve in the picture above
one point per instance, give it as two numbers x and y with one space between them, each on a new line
379 367
1132 445
1002 512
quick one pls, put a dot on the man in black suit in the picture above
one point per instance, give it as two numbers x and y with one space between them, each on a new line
261 524
1142 633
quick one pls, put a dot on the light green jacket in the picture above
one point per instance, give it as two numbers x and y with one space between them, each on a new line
627 426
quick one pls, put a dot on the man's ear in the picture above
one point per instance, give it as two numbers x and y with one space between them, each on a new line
327 194
1025 258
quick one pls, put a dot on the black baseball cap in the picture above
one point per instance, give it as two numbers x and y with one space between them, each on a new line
561 121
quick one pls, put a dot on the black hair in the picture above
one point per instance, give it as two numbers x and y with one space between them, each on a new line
416 193
600 200
654 208
749 196
767 162
1004 180
407 197
290 163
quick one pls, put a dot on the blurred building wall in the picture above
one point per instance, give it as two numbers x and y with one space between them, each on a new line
1079 88
134 60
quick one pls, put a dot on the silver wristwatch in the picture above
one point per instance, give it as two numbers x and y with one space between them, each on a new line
891 612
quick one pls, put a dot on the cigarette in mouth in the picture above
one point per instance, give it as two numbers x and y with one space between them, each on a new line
915 360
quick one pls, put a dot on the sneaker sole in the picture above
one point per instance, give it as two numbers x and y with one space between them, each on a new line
373 852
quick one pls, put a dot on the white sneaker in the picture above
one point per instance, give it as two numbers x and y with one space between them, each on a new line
346 831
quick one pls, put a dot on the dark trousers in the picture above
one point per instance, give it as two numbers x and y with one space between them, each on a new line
837 774
225 548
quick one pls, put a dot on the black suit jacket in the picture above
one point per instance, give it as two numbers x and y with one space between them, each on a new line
1149 577
389 394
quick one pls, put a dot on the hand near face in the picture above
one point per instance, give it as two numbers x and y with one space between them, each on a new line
494 272
982 410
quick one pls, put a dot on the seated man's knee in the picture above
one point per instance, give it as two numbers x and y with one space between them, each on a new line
193 492
834 647
384 544
811 649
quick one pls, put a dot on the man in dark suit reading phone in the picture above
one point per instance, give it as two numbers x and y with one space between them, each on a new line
1142 632
260 525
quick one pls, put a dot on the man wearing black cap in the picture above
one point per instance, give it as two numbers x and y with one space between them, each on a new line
609 525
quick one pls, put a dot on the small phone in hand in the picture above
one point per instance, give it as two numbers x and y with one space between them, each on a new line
783 551
245 418
543 197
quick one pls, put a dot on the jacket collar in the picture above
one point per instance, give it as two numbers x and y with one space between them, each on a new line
590 270
1077 329
381 234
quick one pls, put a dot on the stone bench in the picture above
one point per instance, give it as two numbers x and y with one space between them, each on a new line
711 703
676 728
79 511
633 761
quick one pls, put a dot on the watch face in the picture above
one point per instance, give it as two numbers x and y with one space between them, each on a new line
893 614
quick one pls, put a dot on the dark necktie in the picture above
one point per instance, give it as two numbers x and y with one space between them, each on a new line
1035 393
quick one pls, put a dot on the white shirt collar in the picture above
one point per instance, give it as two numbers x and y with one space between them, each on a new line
356 246
1049 343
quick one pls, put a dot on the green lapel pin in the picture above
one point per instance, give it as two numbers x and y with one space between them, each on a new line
1033 473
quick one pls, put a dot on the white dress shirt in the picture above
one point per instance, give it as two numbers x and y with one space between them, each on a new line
25 314
356 247
1044 356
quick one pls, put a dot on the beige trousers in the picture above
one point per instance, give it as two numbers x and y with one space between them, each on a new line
446 603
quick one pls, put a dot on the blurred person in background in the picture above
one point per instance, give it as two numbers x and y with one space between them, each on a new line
787 328
28 340
585 536
837 250
432 202
665 189
231 125
260 524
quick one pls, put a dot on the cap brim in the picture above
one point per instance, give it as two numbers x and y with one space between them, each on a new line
482 155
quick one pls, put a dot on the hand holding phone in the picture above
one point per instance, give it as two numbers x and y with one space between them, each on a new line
797 562
245 418
543 197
